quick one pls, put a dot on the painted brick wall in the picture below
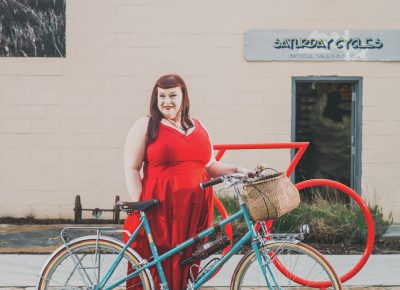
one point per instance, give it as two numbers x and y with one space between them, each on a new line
63 121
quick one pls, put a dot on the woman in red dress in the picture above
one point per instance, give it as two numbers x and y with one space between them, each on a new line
175 152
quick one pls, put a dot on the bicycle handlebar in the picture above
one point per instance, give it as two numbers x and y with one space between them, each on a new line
211 182
251 175
222 178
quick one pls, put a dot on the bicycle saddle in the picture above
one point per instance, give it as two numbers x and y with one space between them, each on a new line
140 206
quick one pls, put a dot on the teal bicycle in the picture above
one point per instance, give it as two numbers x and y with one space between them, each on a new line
274 261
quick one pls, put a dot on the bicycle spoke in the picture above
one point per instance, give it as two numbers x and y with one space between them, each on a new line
59 283
290 266
81 268
73 271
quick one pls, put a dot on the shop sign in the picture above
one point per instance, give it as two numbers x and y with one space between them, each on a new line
322 45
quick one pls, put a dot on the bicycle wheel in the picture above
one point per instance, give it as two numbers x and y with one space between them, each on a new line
285 262
86 263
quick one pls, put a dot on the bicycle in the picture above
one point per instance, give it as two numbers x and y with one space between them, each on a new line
101 262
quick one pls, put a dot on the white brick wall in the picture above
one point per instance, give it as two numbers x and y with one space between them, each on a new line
63 121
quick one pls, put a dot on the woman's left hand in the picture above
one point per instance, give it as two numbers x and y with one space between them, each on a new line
246 172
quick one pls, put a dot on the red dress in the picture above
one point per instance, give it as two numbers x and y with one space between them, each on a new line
173 168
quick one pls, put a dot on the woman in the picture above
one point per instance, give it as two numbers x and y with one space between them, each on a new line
176 154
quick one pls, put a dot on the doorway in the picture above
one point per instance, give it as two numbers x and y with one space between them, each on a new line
327 113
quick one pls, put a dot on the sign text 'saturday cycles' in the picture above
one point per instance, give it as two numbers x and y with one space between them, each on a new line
340 43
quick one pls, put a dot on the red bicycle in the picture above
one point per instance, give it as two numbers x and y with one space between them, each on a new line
307 184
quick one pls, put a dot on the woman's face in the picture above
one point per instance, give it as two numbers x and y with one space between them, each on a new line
169 102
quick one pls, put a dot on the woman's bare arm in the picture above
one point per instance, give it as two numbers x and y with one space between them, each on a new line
134 153
216 168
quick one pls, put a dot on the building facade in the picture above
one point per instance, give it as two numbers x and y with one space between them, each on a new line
63 120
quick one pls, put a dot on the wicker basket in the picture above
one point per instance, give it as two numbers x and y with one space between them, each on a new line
271 197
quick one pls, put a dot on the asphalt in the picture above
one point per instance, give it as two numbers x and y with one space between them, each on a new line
24 249
34 239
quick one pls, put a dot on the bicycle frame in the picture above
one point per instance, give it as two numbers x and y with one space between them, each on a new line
250 235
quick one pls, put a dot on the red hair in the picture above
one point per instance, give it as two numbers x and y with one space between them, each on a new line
167 82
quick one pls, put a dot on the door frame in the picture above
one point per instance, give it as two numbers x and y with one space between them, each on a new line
356 124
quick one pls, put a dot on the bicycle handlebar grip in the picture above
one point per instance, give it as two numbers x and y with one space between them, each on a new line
210 182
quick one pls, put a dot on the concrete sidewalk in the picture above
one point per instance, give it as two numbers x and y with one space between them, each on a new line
21 271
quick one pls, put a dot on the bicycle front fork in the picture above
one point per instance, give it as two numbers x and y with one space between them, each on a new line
264 260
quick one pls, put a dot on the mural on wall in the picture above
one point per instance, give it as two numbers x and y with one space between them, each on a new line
32 28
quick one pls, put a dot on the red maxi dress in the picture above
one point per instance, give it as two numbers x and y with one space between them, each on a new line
173 168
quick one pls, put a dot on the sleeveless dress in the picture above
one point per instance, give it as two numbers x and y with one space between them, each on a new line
173 168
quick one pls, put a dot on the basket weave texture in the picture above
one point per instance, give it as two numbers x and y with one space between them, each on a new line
271 197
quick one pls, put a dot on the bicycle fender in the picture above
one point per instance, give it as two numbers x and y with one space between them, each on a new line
94 237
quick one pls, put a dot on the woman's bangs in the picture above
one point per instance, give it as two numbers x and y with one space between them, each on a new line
169 81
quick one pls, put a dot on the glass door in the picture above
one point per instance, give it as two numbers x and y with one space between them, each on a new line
327 113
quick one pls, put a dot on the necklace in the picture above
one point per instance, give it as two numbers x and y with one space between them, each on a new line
174 123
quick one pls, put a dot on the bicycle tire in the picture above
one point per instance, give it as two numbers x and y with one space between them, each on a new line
280 256
58 267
